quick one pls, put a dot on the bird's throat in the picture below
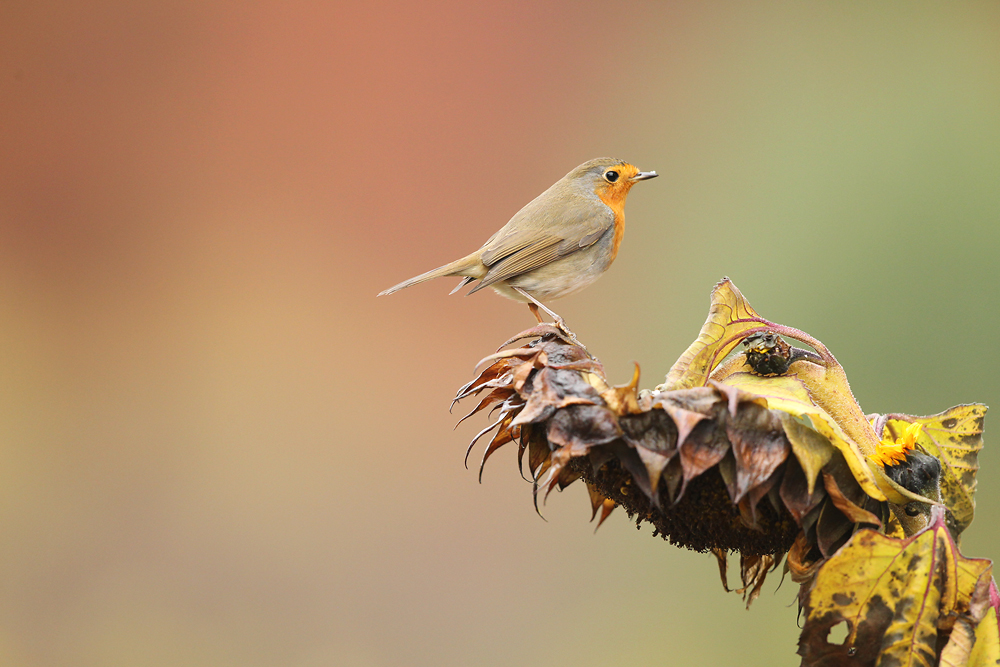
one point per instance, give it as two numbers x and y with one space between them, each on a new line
615 200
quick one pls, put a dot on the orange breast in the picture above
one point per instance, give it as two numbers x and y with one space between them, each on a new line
615 199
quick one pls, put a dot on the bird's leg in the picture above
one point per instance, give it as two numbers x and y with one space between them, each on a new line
534 305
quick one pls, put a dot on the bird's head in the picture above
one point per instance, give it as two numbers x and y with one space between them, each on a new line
609 178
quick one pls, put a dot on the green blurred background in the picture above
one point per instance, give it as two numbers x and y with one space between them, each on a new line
218 448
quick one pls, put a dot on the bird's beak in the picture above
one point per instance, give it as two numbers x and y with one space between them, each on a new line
644 175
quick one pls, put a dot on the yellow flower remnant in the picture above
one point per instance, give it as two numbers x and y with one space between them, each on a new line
891 453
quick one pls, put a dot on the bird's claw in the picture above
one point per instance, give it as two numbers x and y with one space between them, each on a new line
560 324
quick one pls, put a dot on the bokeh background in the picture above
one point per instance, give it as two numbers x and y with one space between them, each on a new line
218 448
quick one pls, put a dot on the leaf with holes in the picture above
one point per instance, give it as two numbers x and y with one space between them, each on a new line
901 599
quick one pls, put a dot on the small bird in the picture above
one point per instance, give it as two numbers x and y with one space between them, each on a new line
561 242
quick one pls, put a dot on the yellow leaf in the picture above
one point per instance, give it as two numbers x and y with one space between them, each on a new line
729 319
895 595
986 650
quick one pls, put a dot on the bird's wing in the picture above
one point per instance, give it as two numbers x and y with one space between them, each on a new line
513 251
540 253
570 217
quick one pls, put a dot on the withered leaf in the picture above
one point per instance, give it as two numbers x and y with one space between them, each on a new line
757 493
722 558
653 430
832 529
539 451
684 420
490 399
503 435
655 463
894 595
556 403
798 562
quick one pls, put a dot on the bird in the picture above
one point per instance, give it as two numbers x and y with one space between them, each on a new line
559 243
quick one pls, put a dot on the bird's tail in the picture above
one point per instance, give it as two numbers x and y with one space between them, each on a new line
471 267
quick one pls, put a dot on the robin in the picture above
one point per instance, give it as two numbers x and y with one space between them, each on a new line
562 241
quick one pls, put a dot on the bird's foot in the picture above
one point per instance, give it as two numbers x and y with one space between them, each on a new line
560 324
536 306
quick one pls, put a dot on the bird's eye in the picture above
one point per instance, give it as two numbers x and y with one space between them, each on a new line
911 509
611 176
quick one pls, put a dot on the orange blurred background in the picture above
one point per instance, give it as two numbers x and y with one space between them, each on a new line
218 448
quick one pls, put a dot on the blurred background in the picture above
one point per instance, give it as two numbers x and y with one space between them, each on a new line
217 447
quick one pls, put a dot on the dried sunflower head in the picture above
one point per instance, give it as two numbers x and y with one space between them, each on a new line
754 455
